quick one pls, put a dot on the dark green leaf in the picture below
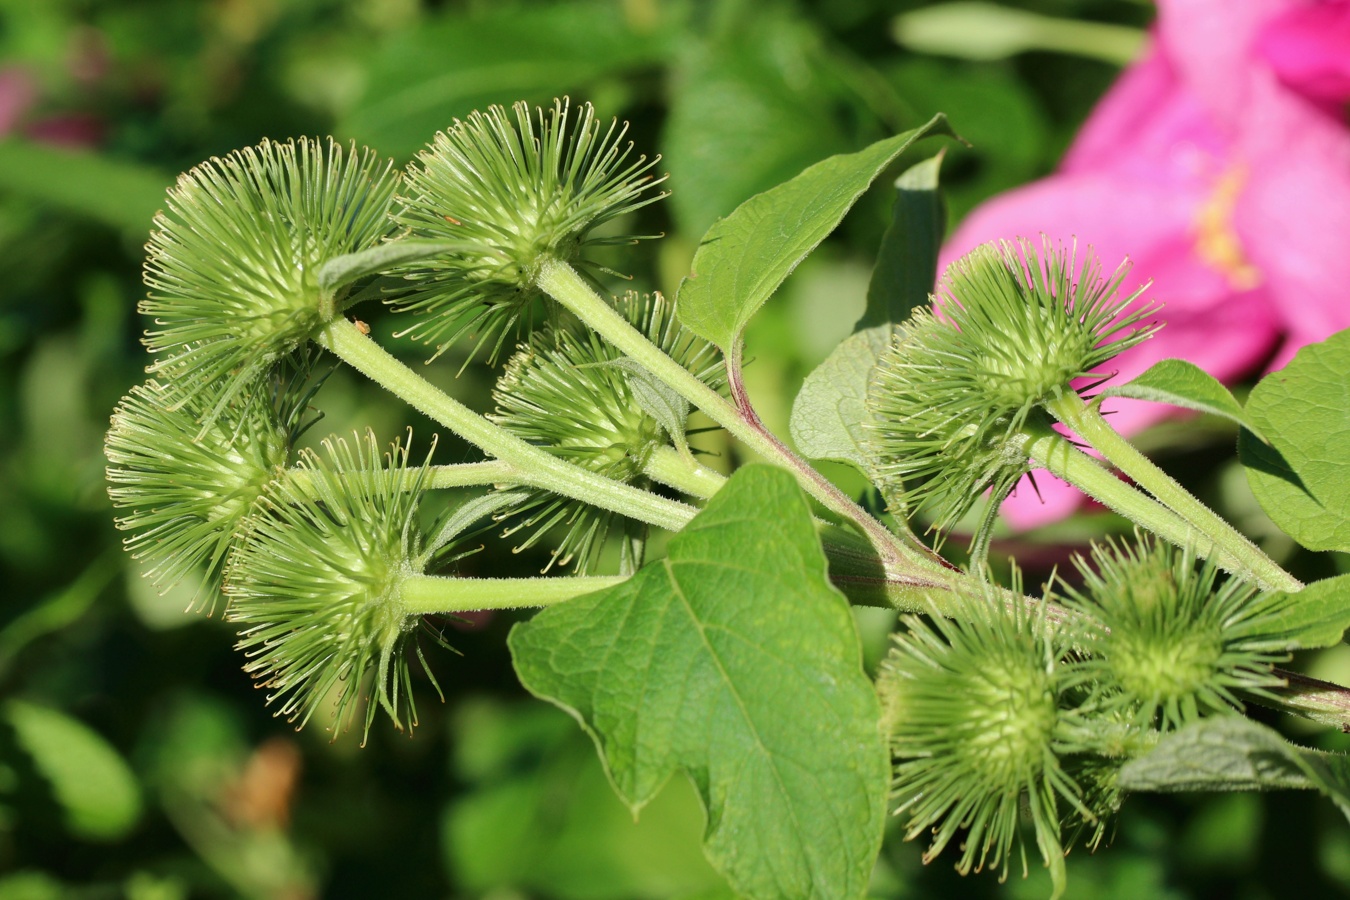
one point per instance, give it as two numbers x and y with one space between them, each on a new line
1231 753
1302 478
734 660
749 113
907 261
424 77
744 258
1184 384
829 412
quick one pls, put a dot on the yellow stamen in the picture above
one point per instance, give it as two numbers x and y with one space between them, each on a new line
1216 241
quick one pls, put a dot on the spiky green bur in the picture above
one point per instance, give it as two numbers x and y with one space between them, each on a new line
1172 644
572 393
188 490
232 264
979 713
1012 327
315 586
513 190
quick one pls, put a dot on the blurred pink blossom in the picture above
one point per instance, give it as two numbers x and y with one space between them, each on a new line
1220 165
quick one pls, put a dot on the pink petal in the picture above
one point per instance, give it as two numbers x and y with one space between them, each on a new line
1294 223
1210 42
1148 125
1308 47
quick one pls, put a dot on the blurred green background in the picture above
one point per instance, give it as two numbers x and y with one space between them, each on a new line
136 759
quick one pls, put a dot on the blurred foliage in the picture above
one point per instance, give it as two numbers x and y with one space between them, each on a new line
137 761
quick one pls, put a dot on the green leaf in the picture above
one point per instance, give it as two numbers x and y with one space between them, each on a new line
906 266
829 412
1231 753
1184 384
94 786
744 258
123 195
448 66
734 660
343 270
1302 478
1316 616
657 399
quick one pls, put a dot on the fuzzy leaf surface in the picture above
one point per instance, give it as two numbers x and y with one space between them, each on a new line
343 270
745 257
828 414
906 268
657 399
1232 753
1318 615
1184 384
734 660
1302 478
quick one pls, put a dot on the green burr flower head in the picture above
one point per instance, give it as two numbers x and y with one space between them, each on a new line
232 264
573 394
188 489
1174 644
1012 327
979 712
512 189
315 585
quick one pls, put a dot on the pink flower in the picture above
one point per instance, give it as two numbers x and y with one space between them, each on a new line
1220 165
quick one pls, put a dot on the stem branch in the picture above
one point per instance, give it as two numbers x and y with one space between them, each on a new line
1085 421
560 281
532 465
430 594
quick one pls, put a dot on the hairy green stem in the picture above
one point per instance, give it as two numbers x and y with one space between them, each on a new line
682 472
492 471
561 282
534 466
1052 451
430 594
1085 421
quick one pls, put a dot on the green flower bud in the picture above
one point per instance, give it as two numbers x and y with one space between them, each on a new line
979 712
188 489
575 395
315 585
512 194
1012 327
1173 644
233 262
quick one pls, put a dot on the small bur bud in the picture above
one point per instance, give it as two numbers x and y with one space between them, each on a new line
233 261
980 711
573 394
513 190
188 489
1012 327
1173 643
315 585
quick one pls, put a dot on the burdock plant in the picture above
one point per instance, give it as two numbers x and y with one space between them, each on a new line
1003 719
